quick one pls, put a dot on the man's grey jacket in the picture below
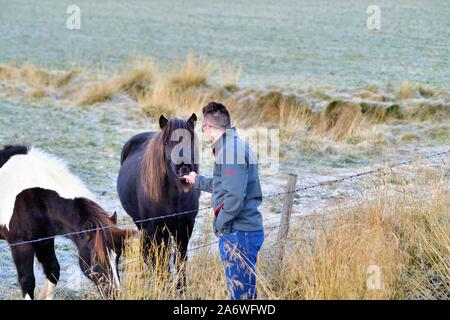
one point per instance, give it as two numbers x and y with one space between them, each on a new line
235 186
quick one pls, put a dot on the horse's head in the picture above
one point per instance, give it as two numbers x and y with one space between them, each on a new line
170 155
100 248
11 150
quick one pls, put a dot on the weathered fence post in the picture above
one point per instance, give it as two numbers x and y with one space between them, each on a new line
285 218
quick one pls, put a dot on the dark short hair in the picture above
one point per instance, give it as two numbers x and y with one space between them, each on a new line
217 115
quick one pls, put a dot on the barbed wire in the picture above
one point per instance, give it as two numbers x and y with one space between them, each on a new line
357 175
339 211
270 230
140 259
350 177
267 233
100 228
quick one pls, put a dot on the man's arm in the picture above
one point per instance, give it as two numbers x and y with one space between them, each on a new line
203 183
234 183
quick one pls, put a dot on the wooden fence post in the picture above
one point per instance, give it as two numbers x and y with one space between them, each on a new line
285 217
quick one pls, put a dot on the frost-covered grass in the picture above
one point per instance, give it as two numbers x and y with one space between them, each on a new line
90 139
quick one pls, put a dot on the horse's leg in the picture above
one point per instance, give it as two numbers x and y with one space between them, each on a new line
45 253
182 241
3 233
147 244
23 256
153 242
163 242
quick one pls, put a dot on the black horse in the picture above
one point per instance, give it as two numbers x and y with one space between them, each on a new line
150 183
39 213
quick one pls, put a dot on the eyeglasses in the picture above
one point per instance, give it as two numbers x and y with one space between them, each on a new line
206 125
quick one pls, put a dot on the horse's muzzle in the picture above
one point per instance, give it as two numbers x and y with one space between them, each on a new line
184 171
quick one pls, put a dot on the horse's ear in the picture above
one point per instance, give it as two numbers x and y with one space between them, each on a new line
162 121
192 120
121 235
113 218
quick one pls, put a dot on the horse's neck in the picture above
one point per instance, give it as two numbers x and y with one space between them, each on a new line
170 196
170 189
68 224
64 217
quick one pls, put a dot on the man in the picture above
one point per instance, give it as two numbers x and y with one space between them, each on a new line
236 196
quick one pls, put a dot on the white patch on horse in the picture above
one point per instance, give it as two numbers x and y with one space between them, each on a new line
112 261
27 297
48 291
36 169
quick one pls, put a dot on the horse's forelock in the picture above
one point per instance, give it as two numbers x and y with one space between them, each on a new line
175 124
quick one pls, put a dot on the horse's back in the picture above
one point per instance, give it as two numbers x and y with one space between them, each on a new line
36 169
134 144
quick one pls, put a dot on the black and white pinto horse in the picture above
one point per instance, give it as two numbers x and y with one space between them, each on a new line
150 184
40 198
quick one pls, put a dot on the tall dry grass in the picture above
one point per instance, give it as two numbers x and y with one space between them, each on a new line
183 87
143 282
137 79
340 120
171 101
193 73
97 93
405 91
36 76
405 236
228 76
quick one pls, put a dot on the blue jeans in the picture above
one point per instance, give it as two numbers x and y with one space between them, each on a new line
239 251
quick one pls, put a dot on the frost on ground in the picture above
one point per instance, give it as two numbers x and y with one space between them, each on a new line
90 140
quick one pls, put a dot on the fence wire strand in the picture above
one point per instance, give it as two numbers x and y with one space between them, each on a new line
316 185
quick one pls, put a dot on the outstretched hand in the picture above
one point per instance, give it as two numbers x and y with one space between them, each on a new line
190 178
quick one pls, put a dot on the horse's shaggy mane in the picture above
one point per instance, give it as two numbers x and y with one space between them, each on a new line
104 230
154 166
